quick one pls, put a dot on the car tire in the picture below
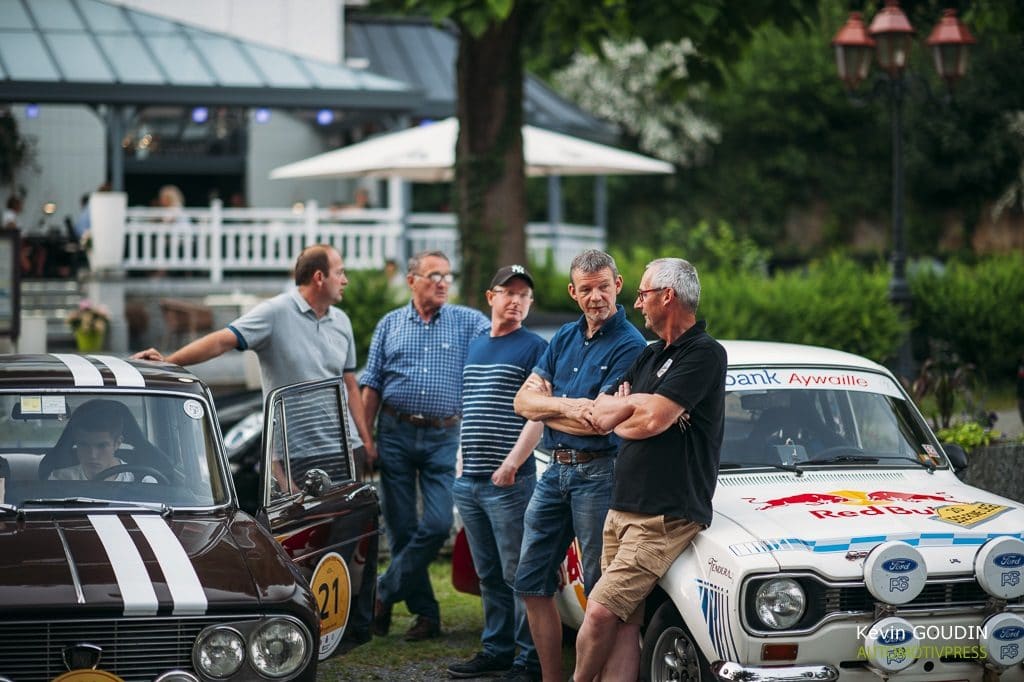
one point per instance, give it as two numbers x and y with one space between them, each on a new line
669 652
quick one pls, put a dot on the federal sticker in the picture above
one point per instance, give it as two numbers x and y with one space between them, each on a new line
970 514
332 588
194 409
31 404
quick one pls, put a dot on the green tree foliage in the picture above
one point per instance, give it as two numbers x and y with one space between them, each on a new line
975 310
834 302
796 151
489 186
367 299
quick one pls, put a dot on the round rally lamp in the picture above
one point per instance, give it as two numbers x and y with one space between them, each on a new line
999 567
895 572
890 645
1003 639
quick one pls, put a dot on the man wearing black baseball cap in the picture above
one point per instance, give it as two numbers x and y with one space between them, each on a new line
498 474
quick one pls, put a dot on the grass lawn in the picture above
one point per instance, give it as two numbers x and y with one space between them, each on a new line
392 658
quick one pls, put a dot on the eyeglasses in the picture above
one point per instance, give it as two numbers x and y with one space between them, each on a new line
524 295
641 294
437 277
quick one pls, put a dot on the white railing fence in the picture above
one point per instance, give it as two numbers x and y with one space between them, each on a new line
220 241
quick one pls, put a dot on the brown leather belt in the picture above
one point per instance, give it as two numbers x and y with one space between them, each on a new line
421 420
570 456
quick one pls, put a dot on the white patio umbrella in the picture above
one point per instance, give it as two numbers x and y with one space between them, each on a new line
427 154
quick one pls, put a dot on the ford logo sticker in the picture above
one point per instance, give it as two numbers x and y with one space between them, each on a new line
1009 633
899 565
1011 560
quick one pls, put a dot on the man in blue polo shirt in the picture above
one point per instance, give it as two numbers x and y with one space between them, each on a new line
584 359
413 378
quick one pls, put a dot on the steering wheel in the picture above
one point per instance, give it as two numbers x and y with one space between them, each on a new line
838 449
133 469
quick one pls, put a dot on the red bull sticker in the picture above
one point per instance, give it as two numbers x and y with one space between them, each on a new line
848 380
570 574
969 515
874 503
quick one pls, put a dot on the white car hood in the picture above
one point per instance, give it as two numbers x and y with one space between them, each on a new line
829 519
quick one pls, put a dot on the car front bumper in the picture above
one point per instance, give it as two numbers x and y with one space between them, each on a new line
727 671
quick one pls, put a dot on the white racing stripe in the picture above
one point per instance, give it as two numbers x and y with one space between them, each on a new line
132 577
180 574
124 374
82 371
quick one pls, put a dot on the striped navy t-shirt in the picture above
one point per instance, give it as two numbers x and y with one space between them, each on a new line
495 369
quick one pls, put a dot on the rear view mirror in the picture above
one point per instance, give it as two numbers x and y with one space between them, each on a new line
763 400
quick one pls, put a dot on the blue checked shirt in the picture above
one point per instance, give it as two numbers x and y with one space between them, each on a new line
416 366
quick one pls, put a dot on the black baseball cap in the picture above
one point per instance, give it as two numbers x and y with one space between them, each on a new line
508 272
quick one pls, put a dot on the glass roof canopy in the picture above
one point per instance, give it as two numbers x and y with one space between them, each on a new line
89 52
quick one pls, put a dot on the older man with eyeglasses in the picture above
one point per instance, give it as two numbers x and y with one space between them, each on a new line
412 385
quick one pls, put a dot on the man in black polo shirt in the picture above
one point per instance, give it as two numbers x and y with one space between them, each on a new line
669 412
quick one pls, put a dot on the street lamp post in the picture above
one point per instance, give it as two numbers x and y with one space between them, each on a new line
889 38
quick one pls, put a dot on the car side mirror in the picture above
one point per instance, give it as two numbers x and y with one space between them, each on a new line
957 457
316 483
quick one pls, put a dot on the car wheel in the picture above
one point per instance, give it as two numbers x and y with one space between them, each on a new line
669 652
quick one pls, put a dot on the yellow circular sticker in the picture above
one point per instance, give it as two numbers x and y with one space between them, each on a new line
88 676
332 588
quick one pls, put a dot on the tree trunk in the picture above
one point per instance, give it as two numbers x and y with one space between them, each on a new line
490 183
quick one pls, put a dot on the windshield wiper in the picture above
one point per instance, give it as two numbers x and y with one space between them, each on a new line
775 465
92 501
870 459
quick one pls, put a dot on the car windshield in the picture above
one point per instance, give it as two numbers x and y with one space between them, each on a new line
151 449
786 418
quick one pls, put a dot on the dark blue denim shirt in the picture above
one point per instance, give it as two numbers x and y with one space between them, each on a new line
578 367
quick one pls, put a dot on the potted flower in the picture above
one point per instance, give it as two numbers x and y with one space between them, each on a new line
89 322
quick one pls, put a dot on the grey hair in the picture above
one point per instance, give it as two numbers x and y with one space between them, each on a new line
591 261
414 262
679 276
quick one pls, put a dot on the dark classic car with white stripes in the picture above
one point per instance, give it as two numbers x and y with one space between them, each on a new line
124 554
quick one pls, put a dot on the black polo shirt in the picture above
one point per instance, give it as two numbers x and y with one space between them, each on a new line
674 473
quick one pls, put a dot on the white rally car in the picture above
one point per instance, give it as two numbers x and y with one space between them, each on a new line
843 543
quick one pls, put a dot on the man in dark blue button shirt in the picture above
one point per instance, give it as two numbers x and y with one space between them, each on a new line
585 358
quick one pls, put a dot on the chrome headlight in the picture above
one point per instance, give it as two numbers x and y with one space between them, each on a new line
279 647
219 652
780 603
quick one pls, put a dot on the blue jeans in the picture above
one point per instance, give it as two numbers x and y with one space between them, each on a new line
493 519
409 453
570 499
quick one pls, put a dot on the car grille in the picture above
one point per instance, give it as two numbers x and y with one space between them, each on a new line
133 648
964 593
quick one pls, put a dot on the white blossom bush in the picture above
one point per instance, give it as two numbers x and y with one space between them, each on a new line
625 87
